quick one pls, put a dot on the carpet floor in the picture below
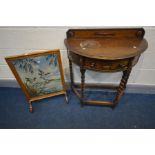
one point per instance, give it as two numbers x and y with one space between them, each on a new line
135 111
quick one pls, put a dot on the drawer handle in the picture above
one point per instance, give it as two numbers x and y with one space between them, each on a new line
122 65
92 64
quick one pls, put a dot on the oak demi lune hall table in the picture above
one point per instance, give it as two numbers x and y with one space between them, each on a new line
104 50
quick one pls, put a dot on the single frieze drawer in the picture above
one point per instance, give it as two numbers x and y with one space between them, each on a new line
105 65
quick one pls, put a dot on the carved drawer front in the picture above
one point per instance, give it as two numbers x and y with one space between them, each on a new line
99 65
105 65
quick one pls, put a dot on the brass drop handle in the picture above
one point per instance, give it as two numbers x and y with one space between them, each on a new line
93 64
122 65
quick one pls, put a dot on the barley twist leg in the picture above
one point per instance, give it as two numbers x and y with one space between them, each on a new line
82 70
71 73
122 86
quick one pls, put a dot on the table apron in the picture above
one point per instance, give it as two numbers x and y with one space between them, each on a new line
101 65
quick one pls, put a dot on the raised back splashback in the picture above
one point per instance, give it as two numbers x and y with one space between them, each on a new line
106 33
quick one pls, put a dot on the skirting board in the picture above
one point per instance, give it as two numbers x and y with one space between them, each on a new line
131 88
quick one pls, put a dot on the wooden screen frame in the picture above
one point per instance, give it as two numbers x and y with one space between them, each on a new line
9 60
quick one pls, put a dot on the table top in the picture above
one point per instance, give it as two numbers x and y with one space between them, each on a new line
107 44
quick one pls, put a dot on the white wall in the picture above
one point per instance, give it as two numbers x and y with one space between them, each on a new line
18 40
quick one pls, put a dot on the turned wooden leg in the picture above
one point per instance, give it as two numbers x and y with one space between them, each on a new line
82 70
71 73
122 85
30 107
